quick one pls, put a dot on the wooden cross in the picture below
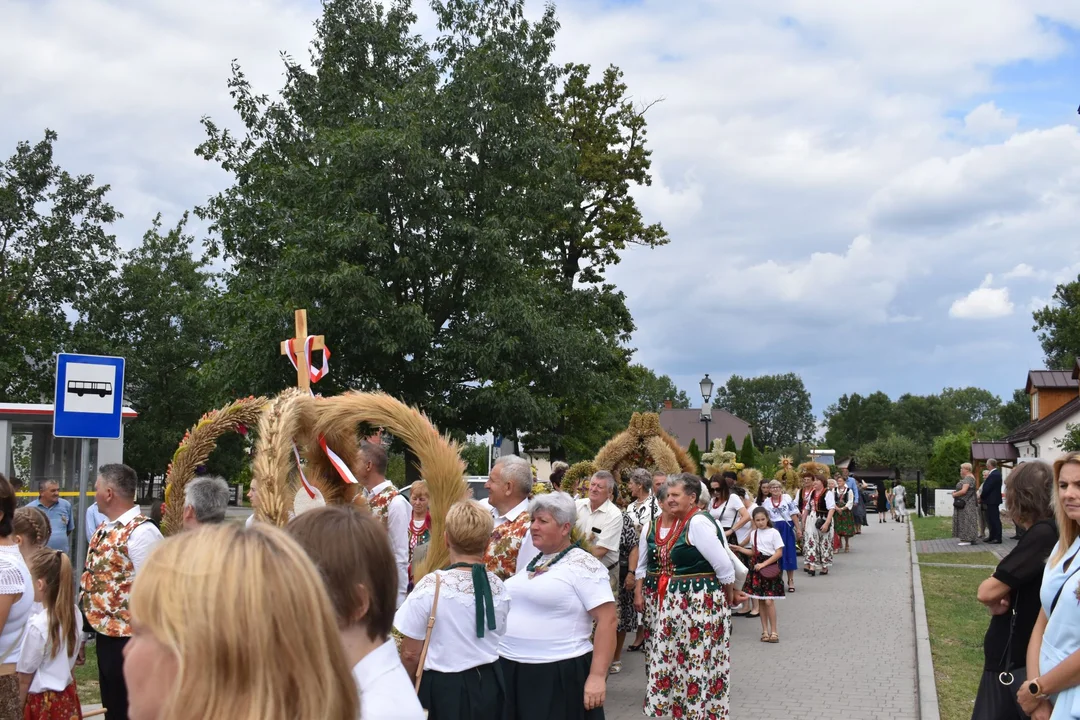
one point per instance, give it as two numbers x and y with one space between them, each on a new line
295 347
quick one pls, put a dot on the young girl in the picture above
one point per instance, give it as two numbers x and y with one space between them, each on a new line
765 547
51 642
31 530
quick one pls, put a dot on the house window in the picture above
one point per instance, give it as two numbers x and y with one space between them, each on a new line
1034 406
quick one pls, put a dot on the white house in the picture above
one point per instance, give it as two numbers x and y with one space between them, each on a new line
1055 403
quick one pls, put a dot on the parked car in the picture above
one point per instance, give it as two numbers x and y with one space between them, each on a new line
869 496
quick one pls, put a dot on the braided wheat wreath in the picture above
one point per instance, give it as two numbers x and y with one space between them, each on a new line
297 417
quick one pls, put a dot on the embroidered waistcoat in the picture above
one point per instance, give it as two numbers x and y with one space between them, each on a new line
380 504
502 552
679 560
106 581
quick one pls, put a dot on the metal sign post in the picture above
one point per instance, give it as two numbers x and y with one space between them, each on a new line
84 481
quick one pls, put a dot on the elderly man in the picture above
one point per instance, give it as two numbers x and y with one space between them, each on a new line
511 547
59 513
601 521
990 499
388 506
117 551
205 501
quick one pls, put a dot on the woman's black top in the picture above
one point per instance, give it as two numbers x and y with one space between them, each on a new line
1021 570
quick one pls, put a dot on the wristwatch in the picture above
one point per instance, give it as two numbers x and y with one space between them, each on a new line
1034 688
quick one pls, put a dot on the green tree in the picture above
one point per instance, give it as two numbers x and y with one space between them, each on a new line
476 456
1058 326
777 407
895 452
973 407
854 421
949 452
922 418
1016 412
695 454
729 445
649 391
162 302
412 205
54 250
748 454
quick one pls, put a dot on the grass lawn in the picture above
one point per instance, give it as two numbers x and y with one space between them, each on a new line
86 676
932 528
957 558
957 624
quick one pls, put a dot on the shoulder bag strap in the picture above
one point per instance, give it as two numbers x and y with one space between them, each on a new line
427 635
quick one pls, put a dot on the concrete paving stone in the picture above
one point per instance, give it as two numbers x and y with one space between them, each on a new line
847 644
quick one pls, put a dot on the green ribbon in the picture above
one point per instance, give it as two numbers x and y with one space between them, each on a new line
485 605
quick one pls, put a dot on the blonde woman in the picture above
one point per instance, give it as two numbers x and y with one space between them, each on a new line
419 523
1052 689
234 623
461 680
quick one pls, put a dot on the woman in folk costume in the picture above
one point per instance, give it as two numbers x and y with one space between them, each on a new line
845 513
784 515
685 587
818 515
419 523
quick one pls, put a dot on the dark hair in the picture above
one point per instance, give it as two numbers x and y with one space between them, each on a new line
1029 493
730 475
7 507
762 511
375 454
351 549
557 475
122 478
722 492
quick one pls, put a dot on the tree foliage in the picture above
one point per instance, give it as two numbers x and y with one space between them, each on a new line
854 421
1016 412
426 216
777 407
729 445
949 452
695 453
54 251
896 452
748 454
1058 326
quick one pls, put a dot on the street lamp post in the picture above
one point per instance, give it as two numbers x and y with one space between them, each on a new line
706 386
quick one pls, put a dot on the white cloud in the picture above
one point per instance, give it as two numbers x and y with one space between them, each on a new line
1023 270
988 121
983 303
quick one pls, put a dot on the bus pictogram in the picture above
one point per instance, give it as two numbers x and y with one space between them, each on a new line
84 387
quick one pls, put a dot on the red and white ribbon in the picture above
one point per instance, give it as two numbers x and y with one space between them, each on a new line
313 374
339 464
303 478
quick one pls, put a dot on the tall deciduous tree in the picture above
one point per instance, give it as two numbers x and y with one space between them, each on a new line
854 420
1016 412
776 406
973 407
895 452
54 248
949 452
1058 326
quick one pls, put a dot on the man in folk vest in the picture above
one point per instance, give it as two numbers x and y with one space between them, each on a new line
118 549
511 547
388 506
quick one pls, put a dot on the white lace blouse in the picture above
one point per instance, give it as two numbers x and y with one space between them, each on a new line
14 580
549 618
454 646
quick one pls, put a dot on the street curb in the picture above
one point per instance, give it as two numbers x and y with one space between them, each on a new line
924 661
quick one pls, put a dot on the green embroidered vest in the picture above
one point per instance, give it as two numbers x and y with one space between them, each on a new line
681 561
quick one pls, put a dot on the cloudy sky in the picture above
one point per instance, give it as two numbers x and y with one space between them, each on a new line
873 195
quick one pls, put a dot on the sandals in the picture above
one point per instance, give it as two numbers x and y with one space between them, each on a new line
754 615
616 668
791 588
635 648
825 572
774 638
765 637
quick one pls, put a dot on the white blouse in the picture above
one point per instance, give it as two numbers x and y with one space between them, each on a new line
454 646
728 513
744 532
51 673
849 504
14 580
783 511
703 536
386 691
549 618
830 502
768 541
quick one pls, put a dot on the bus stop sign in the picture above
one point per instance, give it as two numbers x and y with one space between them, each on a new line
89 396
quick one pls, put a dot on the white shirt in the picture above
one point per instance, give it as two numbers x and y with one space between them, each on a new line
94 519
527 551
454 646
768 541
142 540
783 511
398 515
703 536
51 673
385 688
728 513
608 520
549 617
830 502
744 532
15 579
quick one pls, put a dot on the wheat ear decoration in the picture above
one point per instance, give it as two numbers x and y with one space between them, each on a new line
195 448
285 421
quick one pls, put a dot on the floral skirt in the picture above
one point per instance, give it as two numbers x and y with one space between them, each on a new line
817 547
687 652
760 587
845 523
51 705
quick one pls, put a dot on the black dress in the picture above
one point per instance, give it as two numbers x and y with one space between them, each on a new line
1022 570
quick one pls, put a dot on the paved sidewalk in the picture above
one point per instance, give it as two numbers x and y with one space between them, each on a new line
847 644
951 546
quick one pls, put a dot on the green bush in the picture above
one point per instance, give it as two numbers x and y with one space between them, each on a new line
748 455
729 445
695 454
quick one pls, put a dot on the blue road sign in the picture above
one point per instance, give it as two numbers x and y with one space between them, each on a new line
89 396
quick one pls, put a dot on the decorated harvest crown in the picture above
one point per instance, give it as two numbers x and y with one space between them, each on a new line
815 470
718 460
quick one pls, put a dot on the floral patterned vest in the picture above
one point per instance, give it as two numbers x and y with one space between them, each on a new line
502 552
106 581
380 504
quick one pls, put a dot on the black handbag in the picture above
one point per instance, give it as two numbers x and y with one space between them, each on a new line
996 698
959 503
